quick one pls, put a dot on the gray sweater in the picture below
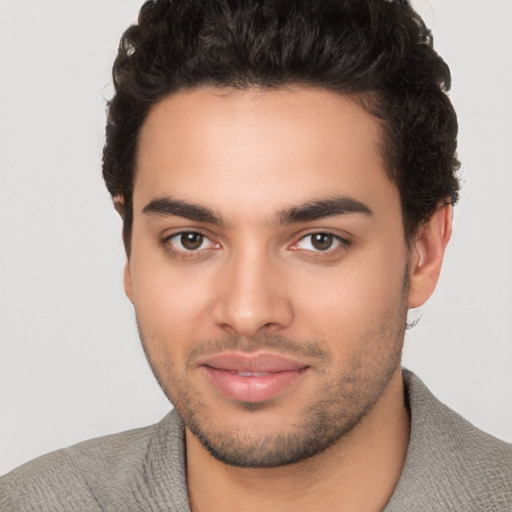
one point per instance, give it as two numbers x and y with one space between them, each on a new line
450 466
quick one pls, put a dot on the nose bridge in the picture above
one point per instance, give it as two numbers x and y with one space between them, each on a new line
251 296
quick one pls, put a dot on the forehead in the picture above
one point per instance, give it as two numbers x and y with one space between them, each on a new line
254 149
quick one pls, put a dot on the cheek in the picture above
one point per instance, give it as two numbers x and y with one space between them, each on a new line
170 305
350 301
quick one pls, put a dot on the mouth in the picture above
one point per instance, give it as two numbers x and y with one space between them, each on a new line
254 377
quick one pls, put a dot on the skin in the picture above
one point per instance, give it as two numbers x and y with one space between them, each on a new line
257 283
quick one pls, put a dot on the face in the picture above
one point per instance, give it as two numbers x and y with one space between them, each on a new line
268 268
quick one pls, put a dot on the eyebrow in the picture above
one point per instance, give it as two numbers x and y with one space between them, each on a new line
165 206
309 211
322 208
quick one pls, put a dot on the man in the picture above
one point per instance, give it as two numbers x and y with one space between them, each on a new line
285 172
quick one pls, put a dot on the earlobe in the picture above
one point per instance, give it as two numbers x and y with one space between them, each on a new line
127 281
427 254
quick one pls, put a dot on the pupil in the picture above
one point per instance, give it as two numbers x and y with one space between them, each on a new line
321 241
191 241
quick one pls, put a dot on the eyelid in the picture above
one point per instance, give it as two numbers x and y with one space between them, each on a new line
168 246
343 241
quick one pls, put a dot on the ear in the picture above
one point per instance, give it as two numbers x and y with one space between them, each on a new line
119 204
127 281
427 254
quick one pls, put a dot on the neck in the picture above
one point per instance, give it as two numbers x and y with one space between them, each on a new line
359 472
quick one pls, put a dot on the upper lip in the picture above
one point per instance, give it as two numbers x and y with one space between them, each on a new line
251 362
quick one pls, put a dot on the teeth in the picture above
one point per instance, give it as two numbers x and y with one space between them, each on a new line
251 374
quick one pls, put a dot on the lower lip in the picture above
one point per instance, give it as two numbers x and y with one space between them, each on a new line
252 388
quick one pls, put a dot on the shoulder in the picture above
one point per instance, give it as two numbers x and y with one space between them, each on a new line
450 464
92 474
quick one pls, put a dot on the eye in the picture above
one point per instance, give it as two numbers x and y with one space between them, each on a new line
189 241
320 242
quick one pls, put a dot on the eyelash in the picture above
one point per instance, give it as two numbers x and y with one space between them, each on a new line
342 244
183 253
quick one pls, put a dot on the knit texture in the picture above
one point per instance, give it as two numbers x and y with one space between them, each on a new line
450 466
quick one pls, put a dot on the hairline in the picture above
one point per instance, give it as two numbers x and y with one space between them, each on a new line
368 100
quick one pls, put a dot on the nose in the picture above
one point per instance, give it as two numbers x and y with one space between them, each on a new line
251 296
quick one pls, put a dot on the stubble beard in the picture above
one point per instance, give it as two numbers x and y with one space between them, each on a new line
340 405
343 404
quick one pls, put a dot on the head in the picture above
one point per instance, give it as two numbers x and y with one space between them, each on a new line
283 170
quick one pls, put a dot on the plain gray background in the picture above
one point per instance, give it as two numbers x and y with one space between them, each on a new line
71 366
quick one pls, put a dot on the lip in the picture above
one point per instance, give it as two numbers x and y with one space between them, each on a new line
252 377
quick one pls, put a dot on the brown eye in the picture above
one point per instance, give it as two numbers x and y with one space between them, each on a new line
191 241
189 244
322 241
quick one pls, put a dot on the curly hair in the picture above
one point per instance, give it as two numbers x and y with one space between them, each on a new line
379 51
